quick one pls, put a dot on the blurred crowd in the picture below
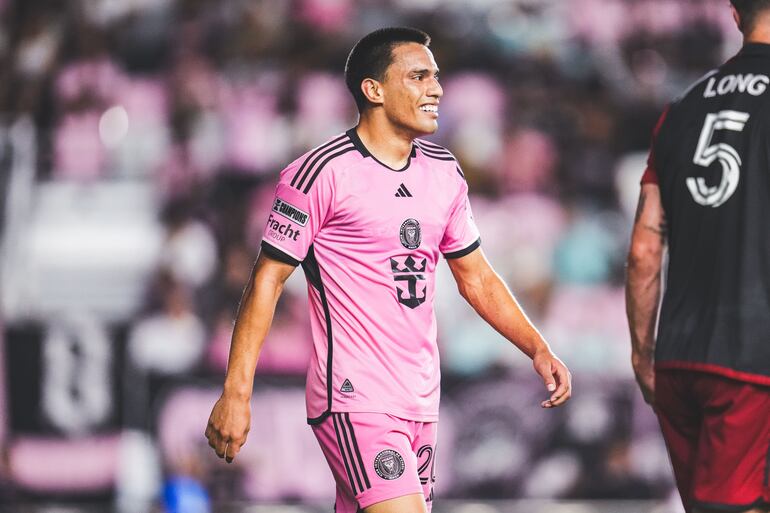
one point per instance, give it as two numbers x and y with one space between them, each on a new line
195 106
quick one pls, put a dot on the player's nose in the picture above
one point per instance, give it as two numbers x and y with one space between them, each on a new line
435 90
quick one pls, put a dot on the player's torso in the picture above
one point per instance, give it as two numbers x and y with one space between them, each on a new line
713 165
376 256
386 229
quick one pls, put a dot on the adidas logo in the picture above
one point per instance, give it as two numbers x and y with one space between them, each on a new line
403 192
347 387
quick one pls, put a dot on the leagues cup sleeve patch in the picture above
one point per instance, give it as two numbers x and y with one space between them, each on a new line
294 218
389 464
290 212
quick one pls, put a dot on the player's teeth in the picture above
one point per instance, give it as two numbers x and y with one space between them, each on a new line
429 108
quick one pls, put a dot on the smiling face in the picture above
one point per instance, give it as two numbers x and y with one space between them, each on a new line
411 91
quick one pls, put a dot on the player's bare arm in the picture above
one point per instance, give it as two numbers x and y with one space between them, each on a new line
486 292
643 285
230 418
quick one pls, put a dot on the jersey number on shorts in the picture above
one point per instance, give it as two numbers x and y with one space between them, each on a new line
706 153
427 469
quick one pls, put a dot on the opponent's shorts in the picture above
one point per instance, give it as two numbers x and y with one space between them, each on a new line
717 432
376 457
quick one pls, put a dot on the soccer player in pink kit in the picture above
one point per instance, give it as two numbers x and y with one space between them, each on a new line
368 215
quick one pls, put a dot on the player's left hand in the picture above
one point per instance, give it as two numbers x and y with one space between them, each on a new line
556 377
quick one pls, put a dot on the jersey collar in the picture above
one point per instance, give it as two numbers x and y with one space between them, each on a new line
755 49
359 145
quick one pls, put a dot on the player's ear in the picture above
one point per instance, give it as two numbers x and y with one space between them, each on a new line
736 17
372 90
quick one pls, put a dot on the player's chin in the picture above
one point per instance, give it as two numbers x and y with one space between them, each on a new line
425 127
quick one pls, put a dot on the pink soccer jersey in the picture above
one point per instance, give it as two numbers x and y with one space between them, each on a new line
369 238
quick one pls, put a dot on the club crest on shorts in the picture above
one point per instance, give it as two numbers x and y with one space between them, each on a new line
389 464
410 234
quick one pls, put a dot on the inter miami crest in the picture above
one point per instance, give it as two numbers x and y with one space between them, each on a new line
389 464
410 234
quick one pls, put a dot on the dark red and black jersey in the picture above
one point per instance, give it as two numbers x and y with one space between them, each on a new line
711 158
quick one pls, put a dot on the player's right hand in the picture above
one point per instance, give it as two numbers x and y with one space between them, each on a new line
644 371
228 426
556 376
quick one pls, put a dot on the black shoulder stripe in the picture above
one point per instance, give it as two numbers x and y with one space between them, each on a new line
440 157
432 145
432 149
436 154
321 166
314 153
460 172
317 158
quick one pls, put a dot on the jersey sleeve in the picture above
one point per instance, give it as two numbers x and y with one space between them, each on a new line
296 217
461 236
651 172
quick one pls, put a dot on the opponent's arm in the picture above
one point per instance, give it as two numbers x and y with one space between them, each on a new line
486 292
230 418
643 285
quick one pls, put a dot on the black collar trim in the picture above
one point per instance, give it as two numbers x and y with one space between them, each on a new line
359 145
755 49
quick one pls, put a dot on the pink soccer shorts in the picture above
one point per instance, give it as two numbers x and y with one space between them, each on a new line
375 457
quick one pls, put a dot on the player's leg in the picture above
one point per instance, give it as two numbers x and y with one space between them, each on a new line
423 444
414 503
373 463
325 433
733 462
680 421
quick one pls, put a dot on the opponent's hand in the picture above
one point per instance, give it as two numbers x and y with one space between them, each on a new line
556 377
644 371
228 426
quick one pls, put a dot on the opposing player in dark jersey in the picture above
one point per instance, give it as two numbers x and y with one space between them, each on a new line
368 215
706 195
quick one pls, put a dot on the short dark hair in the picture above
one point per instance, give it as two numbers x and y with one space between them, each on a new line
748 11
372 55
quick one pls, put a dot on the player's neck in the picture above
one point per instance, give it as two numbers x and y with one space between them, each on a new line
760 32
388 145
758 36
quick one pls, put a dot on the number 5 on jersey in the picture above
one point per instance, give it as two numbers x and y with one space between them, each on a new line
706 153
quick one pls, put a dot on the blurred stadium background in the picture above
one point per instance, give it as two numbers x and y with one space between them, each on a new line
139 145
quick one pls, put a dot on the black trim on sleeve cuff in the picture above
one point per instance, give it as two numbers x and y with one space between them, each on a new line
463 252
277 254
